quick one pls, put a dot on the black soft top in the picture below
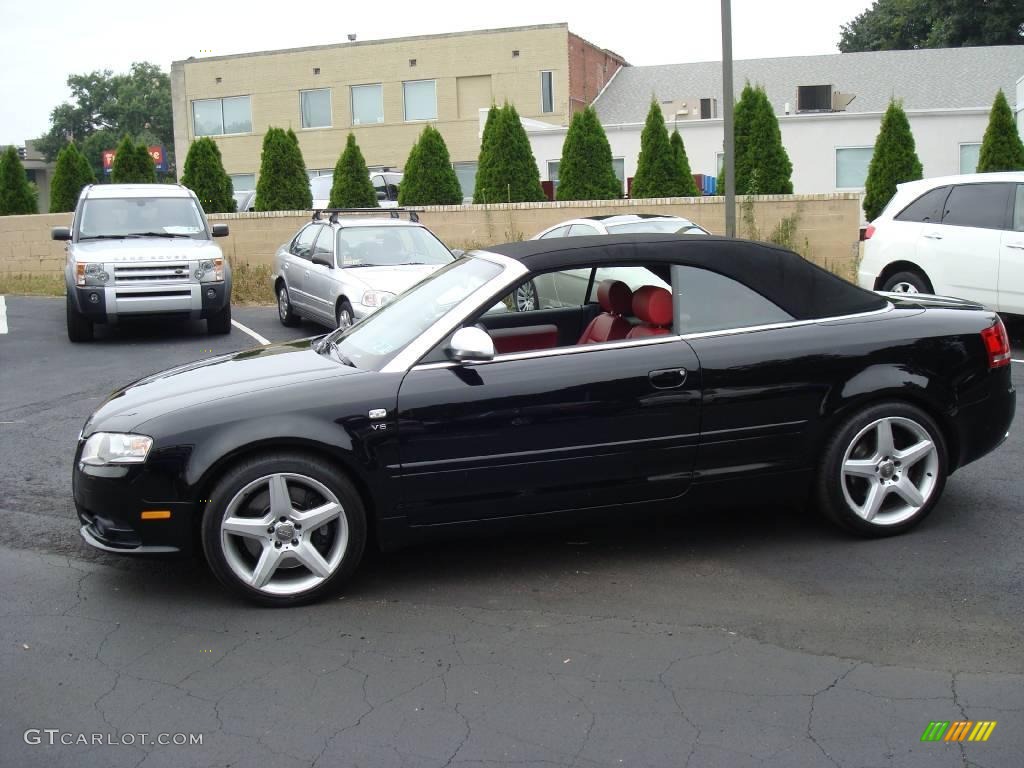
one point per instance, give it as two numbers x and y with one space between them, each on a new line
801 288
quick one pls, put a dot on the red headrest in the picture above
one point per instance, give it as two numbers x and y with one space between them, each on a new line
614 296
653 305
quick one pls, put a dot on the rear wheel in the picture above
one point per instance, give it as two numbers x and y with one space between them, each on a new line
285 313
526 297
883 471
283 529
906 282
80 328
220 322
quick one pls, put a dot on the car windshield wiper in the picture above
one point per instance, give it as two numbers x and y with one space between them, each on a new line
156 234
411 264
330 345
102 237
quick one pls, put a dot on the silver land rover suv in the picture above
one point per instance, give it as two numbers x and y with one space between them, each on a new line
143 249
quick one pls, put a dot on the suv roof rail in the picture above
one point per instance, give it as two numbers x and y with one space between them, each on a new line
393 212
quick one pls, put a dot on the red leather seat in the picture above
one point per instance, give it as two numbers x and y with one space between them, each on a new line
616 300
653 307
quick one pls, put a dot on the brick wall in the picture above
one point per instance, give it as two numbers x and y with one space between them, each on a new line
590 69
829 223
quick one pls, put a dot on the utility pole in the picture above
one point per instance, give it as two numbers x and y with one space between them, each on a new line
727 109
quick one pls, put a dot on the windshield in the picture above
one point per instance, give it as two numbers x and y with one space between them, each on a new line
141 216
373 342
389 246
682 226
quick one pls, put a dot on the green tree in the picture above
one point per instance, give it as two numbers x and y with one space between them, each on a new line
658 173
429 176
486 149
893 161
679 153
71 174
506 169
586 171
205 175
283 184
16 193
905 24
1001 149
352 187
132 164
762 166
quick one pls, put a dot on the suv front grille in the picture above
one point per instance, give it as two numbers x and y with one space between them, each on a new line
145 273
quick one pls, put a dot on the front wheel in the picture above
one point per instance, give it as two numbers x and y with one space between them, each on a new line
883 471
80 328
344 317
283 529
220 322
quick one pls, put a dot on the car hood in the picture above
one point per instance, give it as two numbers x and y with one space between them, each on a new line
394 279
204 381
145 249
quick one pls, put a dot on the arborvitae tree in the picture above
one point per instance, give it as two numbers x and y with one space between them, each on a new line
657 172
132 164
742 117
205 175
893 161
1001 149
283 184
586 171
429 176
486 150
352 187
71 174
763 156
16 195
679 153
507 170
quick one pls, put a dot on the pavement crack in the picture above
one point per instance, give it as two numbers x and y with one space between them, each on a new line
810 712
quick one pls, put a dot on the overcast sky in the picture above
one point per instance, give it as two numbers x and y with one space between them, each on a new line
42 46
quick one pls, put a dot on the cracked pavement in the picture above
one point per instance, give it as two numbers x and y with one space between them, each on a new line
725 638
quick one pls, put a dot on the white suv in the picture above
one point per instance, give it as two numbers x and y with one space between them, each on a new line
958 236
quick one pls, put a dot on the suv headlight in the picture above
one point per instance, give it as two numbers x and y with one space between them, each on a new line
90 274
103 448
210 270
376 298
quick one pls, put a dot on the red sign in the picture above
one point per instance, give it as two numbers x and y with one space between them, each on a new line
156 152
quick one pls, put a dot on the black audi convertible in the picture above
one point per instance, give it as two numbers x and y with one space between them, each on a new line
660 371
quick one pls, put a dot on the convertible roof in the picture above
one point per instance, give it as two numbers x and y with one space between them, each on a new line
801 288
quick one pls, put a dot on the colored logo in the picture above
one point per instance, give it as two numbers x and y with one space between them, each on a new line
959 730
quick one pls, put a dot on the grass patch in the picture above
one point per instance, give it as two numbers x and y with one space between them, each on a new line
31 285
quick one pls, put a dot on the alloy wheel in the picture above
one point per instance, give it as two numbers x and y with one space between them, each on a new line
526 297
889 470
904 287
344 318
283 305
284 534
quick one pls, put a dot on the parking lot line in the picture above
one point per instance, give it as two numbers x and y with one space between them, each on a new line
3 315
243 329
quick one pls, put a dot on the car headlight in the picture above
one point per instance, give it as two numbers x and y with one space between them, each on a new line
90 274
103 448
376 298
210 270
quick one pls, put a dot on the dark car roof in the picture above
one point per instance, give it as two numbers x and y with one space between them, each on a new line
801 288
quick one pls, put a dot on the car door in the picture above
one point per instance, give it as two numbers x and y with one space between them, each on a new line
296 264
962 252
1011 259
320 279
570 428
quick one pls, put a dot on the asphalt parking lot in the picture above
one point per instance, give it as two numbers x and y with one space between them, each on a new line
748 637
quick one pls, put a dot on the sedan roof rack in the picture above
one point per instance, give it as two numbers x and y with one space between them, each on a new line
395 213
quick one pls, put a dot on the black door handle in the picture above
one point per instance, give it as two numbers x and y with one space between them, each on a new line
667 378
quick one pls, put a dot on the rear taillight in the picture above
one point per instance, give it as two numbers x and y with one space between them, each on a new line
997 344
869 231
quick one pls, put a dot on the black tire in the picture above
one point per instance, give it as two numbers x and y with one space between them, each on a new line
835 492
251 471
526 298
80 328
220 322
903 282
344 306
285 313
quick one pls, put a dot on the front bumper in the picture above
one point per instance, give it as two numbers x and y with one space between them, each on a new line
105 304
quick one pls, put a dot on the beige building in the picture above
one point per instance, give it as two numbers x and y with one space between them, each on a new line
383 91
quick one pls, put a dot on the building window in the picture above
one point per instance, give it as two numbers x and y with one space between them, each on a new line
466 172
719 162
852 166
312 173
315 108
547 92
216 117
969 157
367 104
243 182
708 109
814 98
420 100
553 174
619 164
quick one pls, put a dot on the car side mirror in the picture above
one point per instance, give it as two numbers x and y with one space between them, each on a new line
458 253
319 258
470 345
60 233
219 230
